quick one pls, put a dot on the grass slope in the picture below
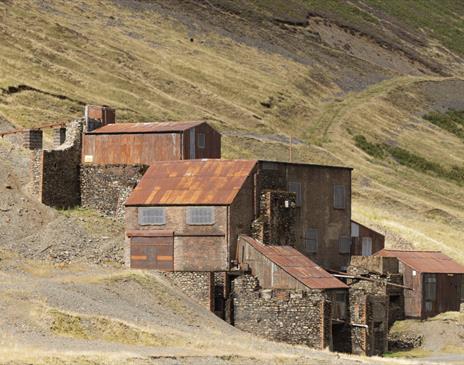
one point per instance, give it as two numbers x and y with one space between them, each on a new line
262 71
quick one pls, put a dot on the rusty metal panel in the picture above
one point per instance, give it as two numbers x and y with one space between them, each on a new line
131 148
156 253
161 127
192 182
284 267
425 261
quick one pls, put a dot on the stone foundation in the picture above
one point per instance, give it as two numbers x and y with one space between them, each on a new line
196 285
106 187
291 316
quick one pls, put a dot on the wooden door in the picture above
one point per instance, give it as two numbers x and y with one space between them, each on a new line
151 252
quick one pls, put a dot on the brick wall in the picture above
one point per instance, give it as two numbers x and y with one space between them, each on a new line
290 316
197 285
106 187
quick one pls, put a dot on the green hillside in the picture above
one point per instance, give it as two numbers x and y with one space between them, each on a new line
364 83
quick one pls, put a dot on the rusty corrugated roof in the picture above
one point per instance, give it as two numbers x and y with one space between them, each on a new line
161 127
425 261
297 265
191 182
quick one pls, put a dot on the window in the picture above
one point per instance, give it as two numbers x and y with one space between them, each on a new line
155 216
310 240
339 196
354 229
201 140
430 287
200 215
345 245
295 187
366 249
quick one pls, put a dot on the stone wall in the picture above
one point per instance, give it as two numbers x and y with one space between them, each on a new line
196 285
276 221
55 173
106 187
290 316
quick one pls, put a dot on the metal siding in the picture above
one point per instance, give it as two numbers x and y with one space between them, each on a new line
293 268
156 253
192 182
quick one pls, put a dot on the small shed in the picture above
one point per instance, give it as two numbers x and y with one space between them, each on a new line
146 143
436 280
365 241
186 215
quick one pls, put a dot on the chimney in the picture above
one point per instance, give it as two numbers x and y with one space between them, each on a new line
32 139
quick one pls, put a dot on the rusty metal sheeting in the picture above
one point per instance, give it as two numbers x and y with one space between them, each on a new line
191 182
297 265
162 127
425 261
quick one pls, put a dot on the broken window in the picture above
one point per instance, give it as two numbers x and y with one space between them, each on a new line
311 240
295 187
201 140
339 197
155 216
345 245
200 215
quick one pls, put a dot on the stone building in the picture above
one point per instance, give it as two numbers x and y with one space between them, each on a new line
437 282
286 296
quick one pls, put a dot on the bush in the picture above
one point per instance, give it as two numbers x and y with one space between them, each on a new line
372 149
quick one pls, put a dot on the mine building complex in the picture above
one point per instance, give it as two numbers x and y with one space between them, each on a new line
268 246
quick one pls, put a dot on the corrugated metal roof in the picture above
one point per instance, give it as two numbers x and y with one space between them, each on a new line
162 127
191 182
425 261
297 265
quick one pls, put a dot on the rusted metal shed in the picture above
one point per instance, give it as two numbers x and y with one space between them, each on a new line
146 143
437 282
365 241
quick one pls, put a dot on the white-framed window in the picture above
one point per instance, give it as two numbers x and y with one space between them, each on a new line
344 245
152 216
201 140
311 240
295 187
200 215
339 196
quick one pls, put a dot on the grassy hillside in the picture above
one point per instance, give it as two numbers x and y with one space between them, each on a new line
328 73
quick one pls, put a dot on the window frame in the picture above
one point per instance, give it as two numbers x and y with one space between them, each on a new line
307 240
140 216
188 216
201 141
298 192
340 245
335 200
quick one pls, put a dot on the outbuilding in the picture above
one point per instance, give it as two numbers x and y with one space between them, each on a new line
435 279
146 143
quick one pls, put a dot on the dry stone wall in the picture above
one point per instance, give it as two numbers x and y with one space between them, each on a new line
290 316
106 187
196 285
